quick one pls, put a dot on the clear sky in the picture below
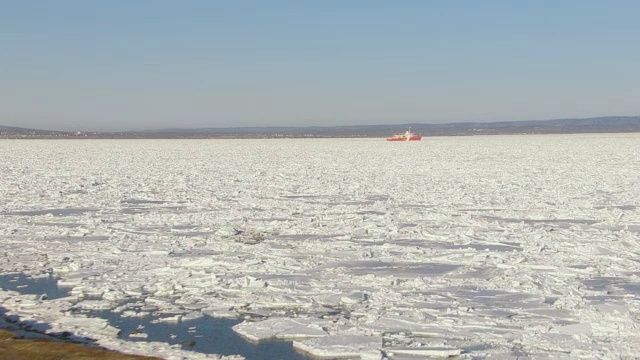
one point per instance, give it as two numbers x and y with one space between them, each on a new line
136 64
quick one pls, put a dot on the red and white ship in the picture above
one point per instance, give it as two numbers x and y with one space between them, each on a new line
407 136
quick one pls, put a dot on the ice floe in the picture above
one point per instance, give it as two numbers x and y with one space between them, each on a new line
485 246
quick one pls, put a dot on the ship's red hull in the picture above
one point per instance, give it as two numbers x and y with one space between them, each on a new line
413 138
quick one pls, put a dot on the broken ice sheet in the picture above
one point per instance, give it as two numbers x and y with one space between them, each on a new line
342 346
280 328
535 234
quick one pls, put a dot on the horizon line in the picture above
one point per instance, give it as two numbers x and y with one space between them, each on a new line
457 122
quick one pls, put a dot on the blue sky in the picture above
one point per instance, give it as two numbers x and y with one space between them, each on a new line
134 64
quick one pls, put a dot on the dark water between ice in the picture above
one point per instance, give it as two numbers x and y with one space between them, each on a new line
36 286
204 335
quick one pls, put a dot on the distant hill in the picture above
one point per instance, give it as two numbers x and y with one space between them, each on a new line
609 124
600 124
15 129
12 132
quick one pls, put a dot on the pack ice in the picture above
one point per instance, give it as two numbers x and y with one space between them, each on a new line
474 247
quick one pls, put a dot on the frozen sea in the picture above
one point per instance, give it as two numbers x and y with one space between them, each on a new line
498 247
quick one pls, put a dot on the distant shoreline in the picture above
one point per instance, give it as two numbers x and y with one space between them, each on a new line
293 137
599 125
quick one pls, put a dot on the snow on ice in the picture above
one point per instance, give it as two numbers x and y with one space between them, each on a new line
500 246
